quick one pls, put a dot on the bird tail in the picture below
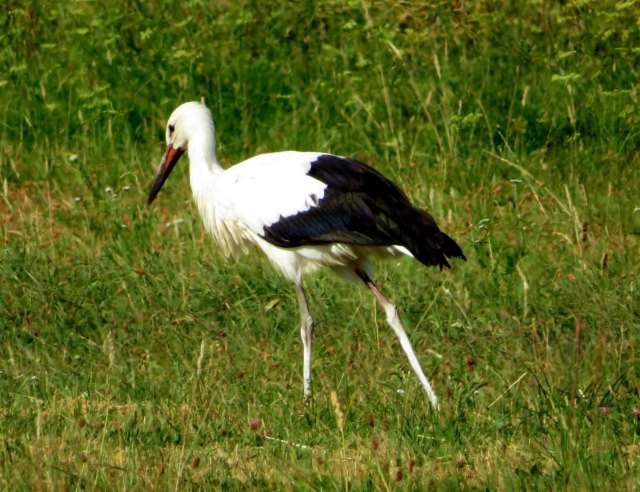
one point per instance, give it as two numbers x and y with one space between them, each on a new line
425 240
451 249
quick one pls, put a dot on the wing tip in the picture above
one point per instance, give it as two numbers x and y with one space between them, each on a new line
451 249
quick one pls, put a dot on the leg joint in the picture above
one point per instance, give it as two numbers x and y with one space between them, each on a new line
392 312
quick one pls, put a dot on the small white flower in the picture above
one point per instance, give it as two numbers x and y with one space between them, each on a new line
108 189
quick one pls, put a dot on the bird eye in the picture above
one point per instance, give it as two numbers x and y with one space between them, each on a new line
171 128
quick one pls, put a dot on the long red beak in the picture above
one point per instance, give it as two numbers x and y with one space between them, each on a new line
171 156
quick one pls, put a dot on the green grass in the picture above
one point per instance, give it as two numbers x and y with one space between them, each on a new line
133 356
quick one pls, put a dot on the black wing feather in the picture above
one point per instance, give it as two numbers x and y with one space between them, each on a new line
362 207
343 217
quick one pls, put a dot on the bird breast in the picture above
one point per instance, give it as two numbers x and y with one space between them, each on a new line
225 229
237 204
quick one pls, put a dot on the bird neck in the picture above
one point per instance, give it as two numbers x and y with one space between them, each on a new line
203 165
202 154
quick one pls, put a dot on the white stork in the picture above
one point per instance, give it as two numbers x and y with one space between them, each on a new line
304 210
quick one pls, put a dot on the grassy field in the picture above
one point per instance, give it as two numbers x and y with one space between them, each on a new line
134 356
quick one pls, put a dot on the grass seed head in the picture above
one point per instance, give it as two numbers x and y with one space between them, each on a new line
337 410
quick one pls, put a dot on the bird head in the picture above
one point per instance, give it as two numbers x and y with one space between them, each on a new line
188 122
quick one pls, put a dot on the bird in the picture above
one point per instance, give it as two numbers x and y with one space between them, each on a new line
305 211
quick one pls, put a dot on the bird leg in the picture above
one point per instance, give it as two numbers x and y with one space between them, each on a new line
394 322
306 332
